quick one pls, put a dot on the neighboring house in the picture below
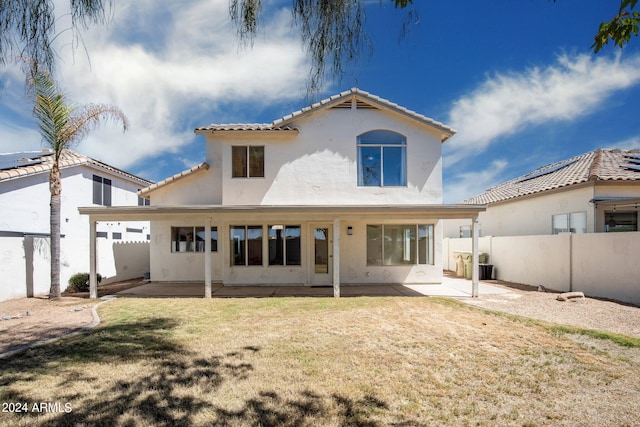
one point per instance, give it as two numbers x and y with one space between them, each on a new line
25 197
347 190
597 191
25 221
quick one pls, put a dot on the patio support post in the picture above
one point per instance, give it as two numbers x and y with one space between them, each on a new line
93 280
207 258
336 258
474 269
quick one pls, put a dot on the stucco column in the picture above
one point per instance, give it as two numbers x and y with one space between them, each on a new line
207 258
474 257
336 258
93 280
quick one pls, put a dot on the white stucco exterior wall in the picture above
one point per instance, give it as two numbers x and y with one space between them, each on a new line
189 266
24 204
318 166
531 215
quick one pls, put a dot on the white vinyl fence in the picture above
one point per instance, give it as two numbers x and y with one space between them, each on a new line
25 263
604 265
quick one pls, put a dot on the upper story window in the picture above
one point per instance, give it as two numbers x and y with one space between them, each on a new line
101 191
247 161
143 202
382 159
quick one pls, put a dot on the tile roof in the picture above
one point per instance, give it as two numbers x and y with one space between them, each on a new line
147 190
598 165
364 100
42 161
246 127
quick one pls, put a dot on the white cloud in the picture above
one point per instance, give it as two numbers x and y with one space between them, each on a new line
507 103
166 64
469 184
627 144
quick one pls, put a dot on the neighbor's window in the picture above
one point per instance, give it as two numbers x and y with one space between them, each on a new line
572 222
191 239
620 221
284 245
467 231
382 159
406 244
247 161
246 244
143 202
101 191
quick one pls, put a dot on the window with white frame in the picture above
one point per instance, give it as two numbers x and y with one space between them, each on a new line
382 159
192 239
245 244
247 161
284 245
101 191
400 244
575 222
143 202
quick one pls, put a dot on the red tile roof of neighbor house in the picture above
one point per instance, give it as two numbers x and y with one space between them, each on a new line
598 165
361 100
36 162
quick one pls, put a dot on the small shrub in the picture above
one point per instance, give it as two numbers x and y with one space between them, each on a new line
79 282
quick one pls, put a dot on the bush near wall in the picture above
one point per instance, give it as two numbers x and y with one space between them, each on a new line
79 282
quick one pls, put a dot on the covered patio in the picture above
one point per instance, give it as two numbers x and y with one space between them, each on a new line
337 220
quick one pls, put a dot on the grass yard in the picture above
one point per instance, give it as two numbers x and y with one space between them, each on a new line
322 361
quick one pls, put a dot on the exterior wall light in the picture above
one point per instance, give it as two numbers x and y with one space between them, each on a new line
349 231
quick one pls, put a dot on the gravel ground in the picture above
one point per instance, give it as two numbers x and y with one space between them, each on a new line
588 313
26 321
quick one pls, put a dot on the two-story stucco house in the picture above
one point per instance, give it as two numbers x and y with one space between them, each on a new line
24 195
25 220
347 190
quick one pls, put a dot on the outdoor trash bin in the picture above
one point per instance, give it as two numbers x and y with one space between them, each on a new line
459 264
467 258
485 271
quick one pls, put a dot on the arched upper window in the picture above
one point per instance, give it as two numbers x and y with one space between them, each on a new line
382 159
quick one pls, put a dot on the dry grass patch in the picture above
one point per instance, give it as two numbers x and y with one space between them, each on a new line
321 361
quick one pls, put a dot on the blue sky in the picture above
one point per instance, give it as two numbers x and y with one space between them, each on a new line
516 79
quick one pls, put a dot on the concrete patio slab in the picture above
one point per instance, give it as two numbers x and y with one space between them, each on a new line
450 287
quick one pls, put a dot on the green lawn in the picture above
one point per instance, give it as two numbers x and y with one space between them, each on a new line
323 361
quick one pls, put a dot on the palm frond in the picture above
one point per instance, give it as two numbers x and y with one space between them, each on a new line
88 117
50 110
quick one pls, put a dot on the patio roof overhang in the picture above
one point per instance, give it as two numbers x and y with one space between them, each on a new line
309 213
146 213
616 202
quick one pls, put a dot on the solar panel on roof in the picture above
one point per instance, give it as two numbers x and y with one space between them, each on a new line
16 160
632 156
541 172
632 167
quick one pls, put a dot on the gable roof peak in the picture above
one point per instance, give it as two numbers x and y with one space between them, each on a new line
354 98
369 101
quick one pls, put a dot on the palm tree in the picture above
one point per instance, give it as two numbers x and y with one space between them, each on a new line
63 125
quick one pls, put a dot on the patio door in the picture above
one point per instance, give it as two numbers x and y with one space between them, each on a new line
322 252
